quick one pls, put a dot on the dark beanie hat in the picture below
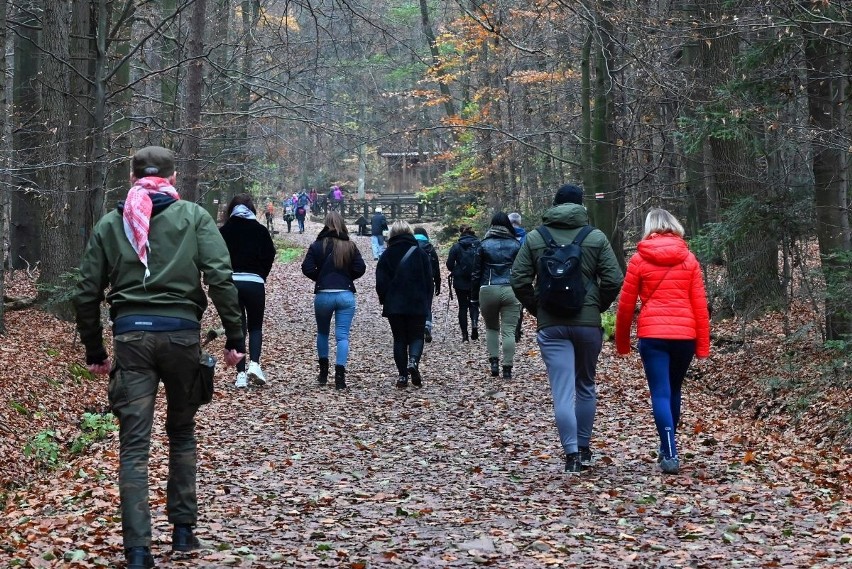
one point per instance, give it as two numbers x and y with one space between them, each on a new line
154 161
569 193
421 231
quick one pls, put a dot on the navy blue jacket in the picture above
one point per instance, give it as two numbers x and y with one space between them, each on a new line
378 223
407 289
319 264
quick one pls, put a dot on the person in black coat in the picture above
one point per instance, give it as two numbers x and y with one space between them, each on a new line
378 226
460 263
404 285
252 254
333 262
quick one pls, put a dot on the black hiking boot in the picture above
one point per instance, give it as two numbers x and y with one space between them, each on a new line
139 558
572 463
323 374
495 366
339 377
585 456
402 382
183 538
474 333
507 372
416 379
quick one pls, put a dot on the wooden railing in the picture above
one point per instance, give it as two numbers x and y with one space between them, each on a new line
394 206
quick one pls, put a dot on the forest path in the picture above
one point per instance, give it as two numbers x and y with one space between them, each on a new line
466 471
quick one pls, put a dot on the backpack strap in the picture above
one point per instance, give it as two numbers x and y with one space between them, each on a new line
549 241
407 255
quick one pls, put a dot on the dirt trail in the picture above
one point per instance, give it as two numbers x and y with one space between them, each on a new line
464 472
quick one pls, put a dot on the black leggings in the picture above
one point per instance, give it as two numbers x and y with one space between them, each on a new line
252 297
407 339
465 306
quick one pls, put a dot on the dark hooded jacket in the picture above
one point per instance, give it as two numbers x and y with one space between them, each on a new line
250 246
404 288
466 245
601 271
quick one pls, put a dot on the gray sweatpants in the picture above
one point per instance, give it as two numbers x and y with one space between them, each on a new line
570 354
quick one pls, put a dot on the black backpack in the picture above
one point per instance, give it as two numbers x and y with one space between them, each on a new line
467 260
561 290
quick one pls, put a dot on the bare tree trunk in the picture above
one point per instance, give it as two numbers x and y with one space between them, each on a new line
61 223
25 231
195 86
827 60
4 164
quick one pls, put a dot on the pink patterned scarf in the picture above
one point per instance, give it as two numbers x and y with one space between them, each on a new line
137 213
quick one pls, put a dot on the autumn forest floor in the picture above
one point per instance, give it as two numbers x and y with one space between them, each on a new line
466 471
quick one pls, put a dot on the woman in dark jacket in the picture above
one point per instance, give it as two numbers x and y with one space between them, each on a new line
404 285
460 263
334 263
252 254
491 287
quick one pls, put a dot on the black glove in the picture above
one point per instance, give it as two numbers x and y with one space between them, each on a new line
238 344
96 356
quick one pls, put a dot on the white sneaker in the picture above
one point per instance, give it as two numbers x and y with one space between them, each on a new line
256 374
242 380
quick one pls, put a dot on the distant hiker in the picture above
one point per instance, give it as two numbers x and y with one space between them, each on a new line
570 344
520 232
289 215
337 197
460 261
252 254
151 253
313 197
491 287
301 209
361 222
270 214
423 240
378 226
404 285
673 321
333 262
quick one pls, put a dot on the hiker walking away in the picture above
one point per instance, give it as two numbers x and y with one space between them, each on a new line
270 214
337 197
460 261
289 215
313 199
404 285
378 226
333 262
570 343
302 203
252 254
423 240
673 322
491 288
150 253
521 235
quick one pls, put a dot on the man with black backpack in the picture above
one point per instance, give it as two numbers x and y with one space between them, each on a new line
565 275
460 262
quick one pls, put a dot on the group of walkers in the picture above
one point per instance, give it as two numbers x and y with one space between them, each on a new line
151 252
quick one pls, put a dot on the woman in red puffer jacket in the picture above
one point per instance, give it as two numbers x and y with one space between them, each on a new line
673 323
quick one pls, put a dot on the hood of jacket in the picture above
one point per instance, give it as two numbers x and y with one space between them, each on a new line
664 249
407 238
566 216
467 240
159 201
499 232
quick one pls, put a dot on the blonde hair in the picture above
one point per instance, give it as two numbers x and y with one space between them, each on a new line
659 220
400 227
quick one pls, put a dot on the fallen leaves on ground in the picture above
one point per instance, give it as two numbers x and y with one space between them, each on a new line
465 472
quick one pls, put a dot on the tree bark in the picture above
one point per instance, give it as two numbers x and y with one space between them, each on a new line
827 102
195 87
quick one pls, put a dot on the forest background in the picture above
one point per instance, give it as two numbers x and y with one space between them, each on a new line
732 114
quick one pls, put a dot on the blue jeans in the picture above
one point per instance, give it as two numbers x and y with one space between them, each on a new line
341 305
666 362
570 354
378 243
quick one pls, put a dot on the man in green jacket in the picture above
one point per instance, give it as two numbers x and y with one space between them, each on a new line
570 345
151 252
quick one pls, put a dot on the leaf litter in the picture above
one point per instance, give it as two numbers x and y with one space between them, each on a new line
465 472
